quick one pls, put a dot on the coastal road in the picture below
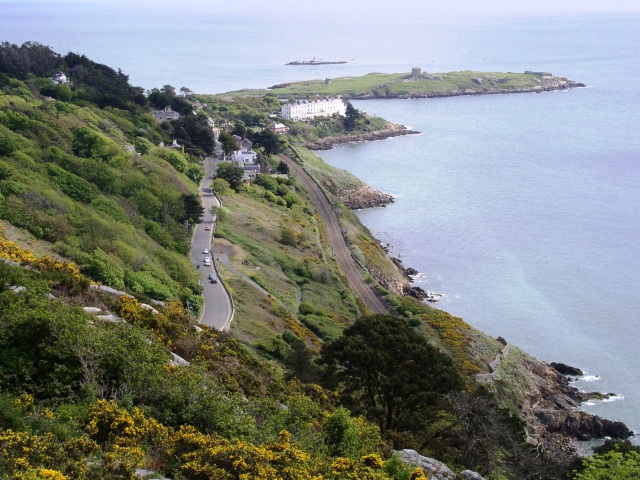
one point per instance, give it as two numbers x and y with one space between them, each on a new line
336 240
217 310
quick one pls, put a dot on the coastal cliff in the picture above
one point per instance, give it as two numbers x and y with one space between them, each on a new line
549 404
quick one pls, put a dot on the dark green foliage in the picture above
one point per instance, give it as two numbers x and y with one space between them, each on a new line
228 143
74 186
89 144
230 172
166 97
7 146
100 84
269 183
623 446
300 362
282 167
16 121
194 133
31 57
268 140
353 117
193 209
389 372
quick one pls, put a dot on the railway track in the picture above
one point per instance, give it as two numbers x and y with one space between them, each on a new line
337 241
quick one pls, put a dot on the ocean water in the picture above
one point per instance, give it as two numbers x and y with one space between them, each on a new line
523 210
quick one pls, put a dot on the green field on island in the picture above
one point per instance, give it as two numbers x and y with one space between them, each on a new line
385 85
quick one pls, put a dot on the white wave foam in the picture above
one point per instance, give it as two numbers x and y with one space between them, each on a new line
613 398
590 378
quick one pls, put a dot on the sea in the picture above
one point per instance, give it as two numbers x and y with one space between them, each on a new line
522 210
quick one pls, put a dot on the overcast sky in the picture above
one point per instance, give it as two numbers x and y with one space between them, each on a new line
392 8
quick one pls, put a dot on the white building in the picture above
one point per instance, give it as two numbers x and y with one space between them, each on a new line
306 109
244 155
59 79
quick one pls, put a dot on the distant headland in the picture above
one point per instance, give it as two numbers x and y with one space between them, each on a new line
315 61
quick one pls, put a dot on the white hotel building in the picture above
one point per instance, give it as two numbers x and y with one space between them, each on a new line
306 109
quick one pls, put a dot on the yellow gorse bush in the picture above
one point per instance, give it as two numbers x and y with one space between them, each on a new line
15 253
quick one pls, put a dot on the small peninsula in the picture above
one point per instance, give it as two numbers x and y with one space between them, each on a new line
315 61
421 84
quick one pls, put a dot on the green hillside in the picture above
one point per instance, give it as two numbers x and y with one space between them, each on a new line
306 385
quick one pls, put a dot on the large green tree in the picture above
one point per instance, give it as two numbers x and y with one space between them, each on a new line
612 465
386 370
230 172
228 143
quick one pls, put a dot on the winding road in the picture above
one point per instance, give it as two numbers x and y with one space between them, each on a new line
217 310
336 240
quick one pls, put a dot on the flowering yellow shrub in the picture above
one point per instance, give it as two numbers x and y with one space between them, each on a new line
204 457
20 451
15 253
108 423
418 474
41 474
373 461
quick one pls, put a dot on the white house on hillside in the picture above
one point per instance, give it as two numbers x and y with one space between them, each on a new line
60 79
244 155
306 109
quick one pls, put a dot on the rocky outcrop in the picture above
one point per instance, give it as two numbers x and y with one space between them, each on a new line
566 369
549 405
431 467
364 197
434 468
328 143
584 426
411 290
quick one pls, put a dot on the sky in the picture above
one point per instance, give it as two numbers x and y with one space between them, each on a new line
393 9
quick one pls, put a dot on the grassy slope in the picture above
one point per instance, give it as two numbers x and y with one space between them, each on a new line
400 84
253 225
124 189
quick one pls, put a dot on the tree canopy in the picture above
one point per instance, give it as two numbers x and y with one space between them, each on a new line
230 172
388 371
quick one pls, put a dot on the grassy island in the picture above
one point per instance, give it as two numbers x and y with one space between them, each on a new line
421 84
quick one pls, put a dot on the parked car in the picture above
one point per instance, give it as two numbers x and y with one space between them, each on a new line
208 227
213 280
207 259
206 250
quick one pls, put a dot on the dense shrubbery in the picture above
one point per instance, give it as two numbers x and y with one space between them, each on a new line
65 177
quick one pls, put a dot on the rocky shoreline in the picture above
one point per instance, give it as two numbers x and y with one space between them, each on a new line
550 408
391 131
550 404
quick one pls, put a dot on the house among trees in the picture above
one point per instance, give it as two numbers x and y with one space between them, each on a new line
251 171
165 115
59 79
279 128
304 109
245 154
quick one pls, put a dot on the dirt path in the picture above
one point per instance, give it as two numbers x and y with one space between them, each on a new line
334 234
